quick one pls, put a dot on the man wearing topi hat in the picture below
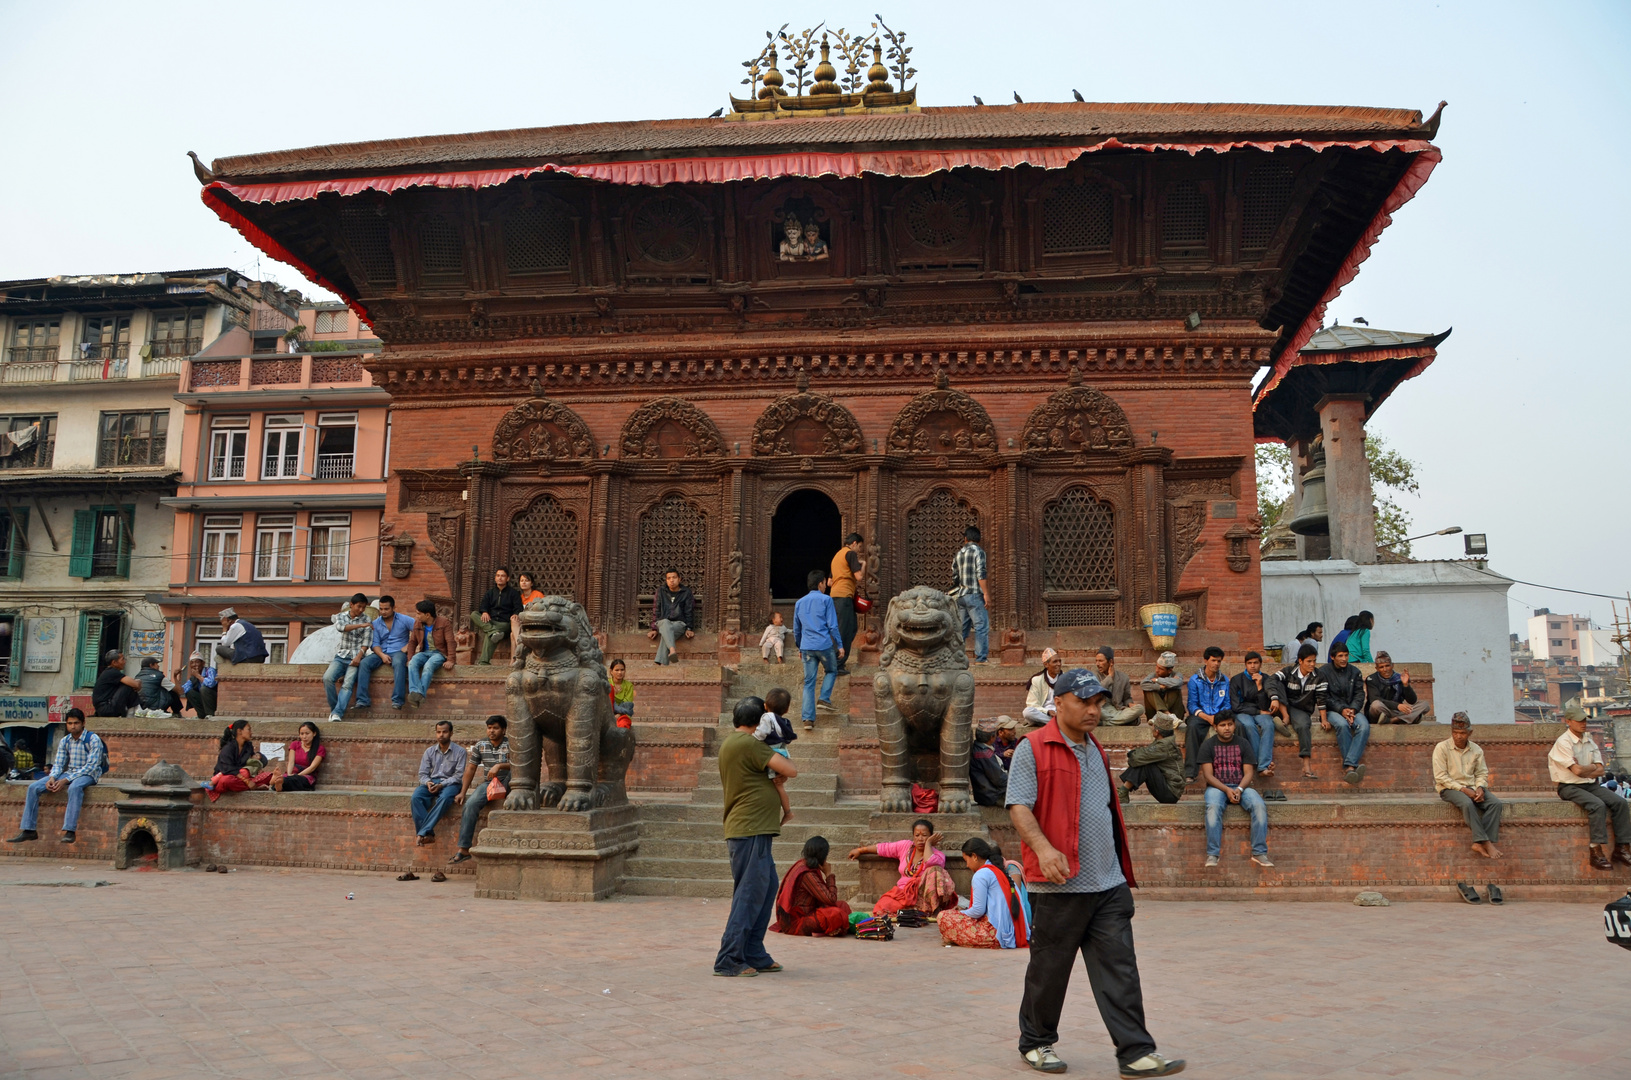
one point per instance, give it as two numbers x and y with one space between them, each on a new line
1158 765
240 642
1164 690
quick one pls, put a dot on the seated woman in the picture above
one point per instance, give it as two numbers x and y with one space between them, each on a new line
807 904
995 918
306 754
924 883
238 767
529 592
622 693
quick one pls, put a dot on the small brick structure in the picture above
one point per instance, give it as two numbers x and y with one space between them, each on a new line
153 818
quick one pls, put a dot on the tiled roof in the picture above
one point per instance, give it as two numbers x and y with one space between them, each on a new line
1032 123
1352 338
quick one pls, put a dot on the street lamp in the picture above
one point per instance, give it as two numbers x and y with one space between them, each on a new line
1451 531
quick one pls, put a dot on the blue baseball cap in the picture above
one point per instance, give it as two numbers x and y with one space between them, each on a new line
1081 682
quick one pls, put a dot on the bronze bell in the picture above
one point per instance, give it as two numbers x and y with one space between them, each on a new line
1313 512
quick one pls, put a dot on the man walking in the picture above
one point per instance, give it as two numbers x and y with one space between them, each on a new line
1120 710
753 817
390 646
440 772
79 763
240 641
816 633
1575 764
1392 698
847 570
492 619
1342 706
1462 779
973 599
1080 875
356 635
1208 703
673 615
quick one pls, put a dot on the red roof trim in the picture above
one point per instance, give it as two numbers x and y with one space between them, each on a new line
255 235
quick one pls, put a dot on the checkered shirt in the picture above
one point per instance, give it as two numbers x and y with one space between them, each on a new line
968 568
353 643
78 757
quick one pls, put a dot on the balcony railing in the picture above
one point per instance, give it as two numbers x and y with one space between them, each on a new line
34 354
334 466
176 347
273 566
166 365
99 350
42 371
222 468
96 370
37 456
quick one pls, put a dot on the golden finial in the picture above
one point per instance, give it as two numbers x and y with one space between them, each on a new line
825 74
773 79
877 76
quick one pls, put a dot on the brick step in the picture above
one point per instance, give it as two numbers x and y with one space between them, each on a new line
843 812
718 867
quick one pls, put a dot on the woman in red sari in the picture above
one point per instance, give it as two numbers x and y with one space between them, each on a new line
807 904
238 767
924 883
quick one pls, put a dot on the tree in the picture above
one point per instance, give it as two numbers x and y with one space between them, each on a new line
1391 473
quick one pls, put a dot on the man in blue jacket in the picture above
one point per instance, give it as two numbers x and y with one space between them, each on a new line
815 631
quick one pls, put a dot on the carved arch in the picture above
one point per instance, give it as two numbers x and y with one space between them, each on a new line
942 421
541 430
670 427
1078 420
805 425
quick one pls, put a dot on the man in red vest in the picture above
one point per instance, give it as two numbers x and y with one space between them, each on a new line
1078 872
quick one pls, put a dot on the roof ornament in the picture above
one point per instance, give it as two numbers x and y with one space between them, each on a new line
824 90
201 170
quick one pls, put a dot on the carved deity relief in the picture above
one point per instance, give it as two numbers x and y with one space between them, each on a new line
804 425
669 428
801 232
541 430
1078 420
942 421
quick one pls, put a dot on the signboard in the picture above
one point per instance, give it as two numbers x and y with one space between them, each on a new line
1164 624
43 646
35 711
147 643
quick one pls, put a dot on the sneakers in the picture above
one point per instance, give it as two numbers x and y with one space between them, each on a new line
826 707
1352 777
1043 1059
1262 860
1151 1065
335 718
1211 860
69 836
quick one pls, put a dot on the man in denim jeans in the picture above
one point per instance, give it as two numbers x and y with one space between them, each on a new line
968 569
1226 765
356 635
753 817
431 645
816 632
390 646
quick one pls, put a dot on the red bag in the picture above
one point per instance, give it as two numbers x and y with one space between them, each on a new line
925 800
862 605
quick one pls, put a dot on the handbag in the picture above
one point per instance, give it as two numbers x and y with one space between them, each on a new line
925 800
862 605
496 789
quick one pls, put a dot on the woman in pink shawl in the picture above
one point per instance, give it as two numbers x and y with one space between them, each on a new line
924 883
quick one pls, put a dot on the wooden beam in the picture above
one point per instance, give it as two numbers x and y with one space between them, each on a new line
46 522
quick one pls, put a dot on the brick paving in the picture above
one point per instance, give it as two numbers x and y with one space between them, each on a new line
270 973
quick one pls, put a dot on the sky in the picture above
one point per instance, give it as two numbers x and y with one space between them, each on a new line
1516 427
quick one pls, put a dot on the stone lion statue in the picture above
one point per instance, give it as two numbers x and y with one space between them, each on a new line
923 698
558 691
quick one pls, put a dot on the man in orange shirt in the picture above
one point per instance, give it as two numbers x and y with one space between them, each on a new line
847 569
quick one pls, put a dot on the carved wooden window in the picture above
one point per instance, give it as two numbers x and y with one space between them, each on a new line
1077 219
441 252
1079 560
1263 203
673 536
368 234
544 543
1184 220
666 229
934 532
537 240
938 224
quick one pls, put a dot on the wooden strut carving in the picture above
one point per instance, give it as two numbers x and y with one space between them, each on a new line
1188 519
670 427
1078 419
942 421
805 423
541 430
443 532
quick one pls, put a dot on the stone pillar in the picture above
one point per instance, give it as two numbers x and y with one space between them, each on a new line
1347 478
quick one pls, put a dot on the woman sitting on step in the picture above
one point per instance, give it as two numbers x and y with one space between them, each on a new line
238 767
924 883
306 755
529 592
807 903
995 918
622 693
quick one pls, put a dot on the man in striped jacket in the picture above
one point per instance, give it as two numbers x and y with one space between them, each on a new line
78 765
1294 695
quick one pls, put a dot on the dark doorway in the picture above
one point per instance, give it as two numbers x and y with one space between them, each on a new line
804 536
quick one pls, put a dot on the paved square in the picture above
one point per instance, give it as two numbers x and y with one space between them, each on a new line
263 973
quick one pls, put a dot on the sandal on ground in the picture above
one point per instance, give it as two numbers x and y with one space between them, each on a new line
210 869
768 967
222 870
409 876
1468 893
463 856
744 973
438 876
1495 896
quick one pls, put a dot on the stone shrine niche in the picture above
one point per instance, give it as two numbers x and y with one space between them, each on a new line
544 543
541 430
1078 420
805 425
940 422
670 428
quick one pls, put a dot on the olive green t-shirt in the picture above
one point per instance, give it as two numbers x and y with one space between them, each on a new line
752 807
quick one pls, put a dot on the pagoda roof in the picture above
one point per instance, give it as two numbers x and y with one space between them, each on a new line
1337 360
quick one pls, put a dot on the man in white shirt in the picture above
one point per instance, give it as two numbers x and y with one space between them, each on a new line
1575 764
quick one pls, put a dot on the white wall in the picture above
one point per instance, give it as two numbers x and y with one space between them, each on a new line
1296 593
1596 648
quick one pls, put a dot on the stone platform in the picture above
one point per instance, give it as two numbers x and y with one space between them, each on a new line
554 855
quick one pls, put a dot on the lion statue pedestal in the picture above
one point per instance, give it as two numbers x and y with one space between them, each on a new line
566 838
923 699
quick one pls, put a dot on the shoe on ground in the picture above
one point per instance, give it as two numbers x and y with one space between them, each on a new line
1043 1059
1211 860
24 837
825 706
809 725
1262 860
335 718
1152 1065
743 973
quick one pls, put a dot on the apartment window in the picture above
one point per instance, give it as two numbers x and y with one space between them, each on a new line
1554 626
330 547
229 445
22 448
281 460
219 559
205 635
177 333
105 338
35 341
13 543
1557 643
330 322
274 547
336 446
133 438
103 538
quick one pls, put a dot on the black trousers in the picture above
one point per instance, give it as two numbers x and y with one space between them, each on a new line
844 606
123 700
1099 926
1151 777
1194 735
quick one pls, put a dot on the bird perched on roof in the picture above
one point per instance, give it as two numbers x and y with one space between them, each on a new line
1017 98
200 170
717 112
977 100
1078 95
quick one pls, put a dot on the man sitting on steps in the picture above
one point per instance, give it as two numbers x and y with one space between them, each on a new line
492 619
1342 707
440 774
1576 764
673 615
1392 698
1462 779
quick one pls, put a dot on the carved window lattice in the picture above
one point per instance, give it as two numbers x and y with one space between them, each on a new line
273 372
1078 545
1184 219
537 240
673 536
544 543
1263 204
938 219
666 229
1085 613
368 235
440 251
1077 219
934 532
215 373
335 370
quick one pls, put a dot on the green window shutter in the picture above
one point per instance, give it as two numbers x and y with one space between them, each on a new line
14 567
79 557
88 662
17 625
127 538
